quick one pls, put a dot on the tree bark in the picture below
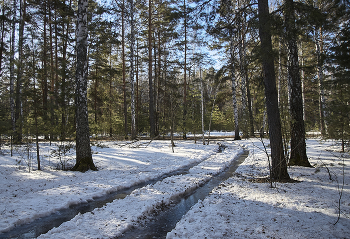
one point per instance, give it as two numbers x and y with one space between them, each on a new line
297 144
84 160
12 69
18 110
319 49
185 82
150 81
132 45
124 83
202 105
279 164
233 87
243 71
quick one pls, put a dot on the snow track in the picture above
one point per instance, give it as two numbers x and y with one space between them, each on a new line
26 196
118 216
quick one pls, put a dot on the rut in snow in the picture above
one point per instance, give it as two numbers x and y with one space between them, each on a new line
159 225
44 224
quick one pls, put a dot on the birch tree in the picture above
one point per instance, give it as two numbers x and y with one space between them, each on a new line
84 160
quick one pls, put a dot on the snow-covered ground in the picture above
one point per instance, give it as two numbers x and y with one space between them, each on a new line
238 208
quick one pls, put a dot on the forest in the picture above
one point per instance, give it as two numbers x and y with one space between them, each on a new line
159 67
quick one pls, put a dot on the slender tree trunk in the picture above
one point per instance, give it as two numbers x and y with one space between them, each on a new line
132 45
137 87
319 49
45 75
150 81
185 73
243 72
12 70
250 111
18 112
124 83
84 160
95 94
159 84
110 95
2 45
155 88
279 164
233 86
35 110
52 75
302 75
64 76
297 144
202 104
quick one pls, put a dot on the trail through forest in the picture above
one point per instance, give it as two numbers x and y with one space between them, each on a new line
240 207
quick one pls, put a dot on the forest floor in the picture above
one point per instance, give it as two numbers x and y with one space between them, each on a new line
317 205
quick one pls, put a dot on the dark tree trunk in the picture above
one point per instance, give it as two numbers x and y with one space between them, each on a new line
124 83
45 73
12 72
279 164
132 45
64 77
233 86
150 81
2 45
84 160
297 143
18 110
250 111
185 82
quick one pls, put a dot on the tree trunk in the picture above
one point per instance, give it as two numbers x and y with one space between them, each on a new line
319 49
12 70
132 44
84 160
279 164
243 72
250 111
2 45
124 83
137 87
18 110
185 69
150 81
233 87
202 104
64 77
45 73
297 144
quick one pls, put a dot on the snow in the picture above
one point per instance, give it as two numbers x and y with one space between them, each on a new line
239 208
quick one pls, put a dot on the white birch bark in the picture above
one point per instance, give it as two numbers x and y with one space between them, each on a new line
83 151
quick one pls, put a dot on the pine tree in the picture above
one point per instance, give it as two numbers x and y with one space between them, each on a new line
279 164
298 145
338 107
